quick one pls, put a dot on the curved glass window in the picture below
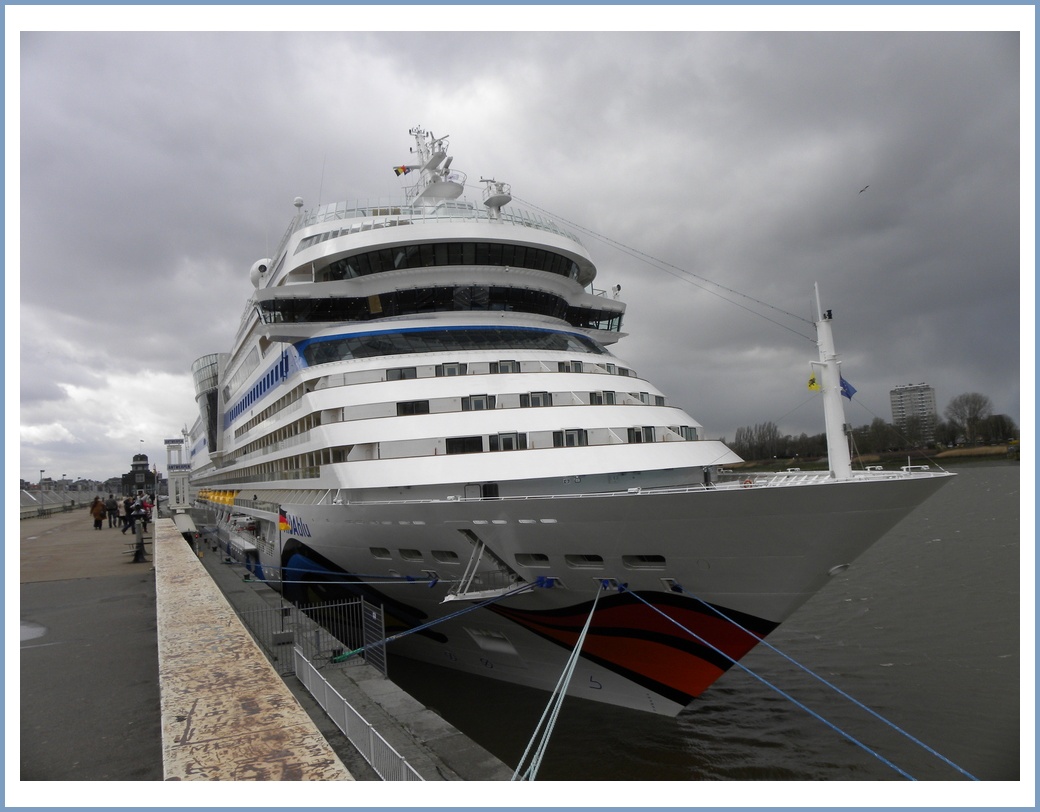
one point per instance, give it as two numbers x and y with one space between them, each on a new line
445 339
429 255
437 299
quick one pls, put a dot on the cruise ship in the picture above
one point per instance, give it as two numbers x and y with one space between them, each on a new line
423 405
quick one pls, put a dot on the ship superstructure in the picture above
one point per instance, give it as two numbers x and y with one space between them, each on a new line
422 405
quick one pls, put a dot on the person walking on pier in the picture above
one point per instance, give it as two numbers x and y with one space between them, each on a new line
146 509
112 510
128 514
97 510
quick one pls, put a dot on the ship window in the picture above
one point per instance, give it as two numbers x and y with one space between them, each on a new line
464 445
641 434
450 370
532 559
505 367
445 556
410 555
643 562
510 441
601 398
411 407
535 399
400 374
489 490
570 366
584 561
570 438
477 403
379 552
658 400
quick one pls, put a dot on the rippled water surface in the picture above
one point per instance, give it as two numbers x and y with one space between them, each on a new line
923 629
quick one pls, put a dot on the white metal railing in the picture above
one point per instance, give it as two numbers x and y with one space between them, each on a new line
385 760
391 214
771 480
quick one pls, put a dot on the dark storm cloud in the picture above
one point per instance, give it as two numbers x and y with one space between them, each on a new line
156 167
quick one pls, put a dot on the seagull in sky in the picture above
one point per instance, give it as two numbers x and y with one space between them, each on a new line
861 191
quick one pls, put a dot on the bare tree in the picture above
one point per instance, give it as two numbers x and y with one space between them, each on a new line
997 428
967 412
913 431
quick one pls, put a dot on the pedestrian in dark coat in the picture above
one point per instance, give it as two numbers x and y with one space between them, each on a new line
128 514
97 510
112 510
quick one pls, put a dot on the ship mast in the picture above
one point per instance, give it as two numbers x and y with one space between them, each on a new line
830 382
437 181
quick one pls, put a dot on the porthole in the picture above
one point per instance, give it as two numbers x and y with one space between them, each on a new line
643 562
445 556
532 559
410 555
584 562
379 552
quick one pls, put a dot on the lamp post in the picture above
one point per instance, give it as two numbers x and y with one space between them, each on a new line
41 478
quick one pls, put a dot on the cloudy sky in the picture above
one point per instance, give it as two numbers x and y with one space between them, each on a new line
154 168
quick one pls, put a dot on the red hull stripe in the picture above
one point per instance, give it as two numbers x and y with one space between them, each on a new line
633 640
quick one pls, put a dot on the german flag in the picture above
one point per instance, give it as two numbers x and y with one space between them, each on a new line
283 520
402 170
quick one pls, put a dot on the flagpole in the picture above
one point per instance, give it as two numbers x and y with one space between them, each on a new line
833 410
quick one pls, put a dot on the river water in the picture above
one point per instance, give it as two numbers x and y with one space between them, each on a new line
924 629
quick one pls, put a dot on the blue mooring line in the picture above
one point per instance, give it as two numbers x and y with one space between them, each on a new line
810 711
833 687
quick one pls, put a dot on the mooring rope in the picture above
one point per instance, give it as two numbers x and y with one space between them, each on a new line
552 710
346 655
810 672
769 685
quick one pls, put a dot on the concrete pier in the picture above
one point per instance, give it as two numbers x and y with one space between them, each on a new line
110 674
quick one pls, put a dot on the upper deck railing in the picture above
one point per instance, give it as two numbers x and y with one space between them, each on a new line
389 214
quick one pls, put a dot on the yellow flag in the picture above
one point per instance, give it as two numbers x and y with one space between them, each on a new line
813 386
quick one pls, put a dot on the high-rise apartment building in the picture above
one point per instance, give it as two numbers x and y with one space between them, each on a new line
914 412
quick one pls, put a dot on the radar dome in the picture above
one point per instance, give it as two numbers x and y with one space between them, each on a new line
259 271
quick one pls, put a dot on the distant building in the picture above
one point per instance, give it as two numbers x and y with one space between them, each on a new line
914 412
139 478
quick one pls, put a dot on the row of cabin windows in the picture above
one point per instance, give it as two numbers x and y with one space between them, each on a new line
528 400
566 438
516 441
473 403
503 368
443 254
329 349
308 465
436 300
506 366
642 561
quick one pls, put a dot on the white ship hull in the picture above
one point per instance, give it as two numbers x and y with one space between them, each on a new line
754 554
